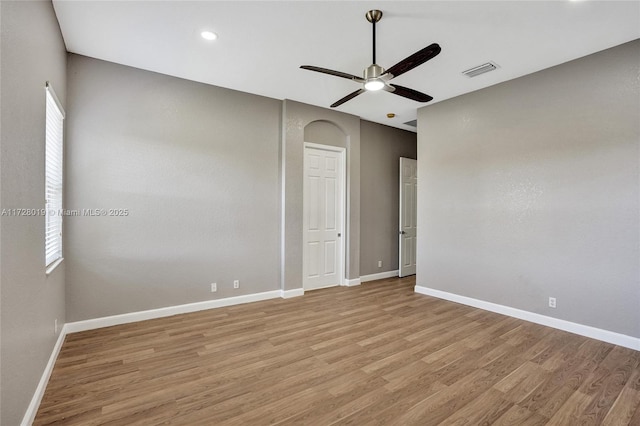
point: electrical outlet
(379, 263)
(55, 326)
(214, 287)
(552, 302)
(236, 283)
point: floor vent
(480, 69)
(412, 123)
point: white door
(408, 216)
(323, 217)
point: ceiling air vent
(412, 123)
(480, 69)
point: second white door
(323, 217)
(408, 216)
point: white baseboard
(91, 324)
(379, 276)
(32, 409)
(572, 327)
(352, 283)
(287, 294)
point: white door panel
(323, 218)
(330, 193)
(408, 216)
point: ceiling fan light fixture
(373, 85)
(208, 35)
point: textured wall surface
(380, 150)
(32, 53)
(197, 168)
(529, 189)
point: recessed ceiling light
(209, 35)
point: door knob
(402, 232)
(339, 234)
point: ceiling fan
(375, 77)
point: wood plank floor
(377, 354)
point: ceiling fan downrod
(374, 16)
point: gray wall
(380, 150)
(529, 189)
(197, 168)
(32, 52)
(207, 176)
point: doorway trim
(296, 116)
(343, 213)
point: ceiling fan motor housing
(373, 71)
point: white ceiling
(262, 44)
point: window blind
(53, 177)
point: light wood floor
(376, 354)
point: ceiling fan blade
(418, 58)
(332, 72)
(347, 98)
(405, 92)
